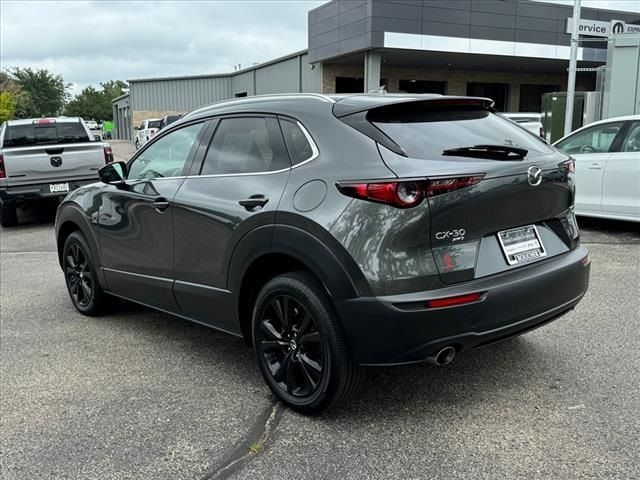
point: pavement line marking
(259, 435)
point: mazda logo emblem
(534, 175)
(56, 161)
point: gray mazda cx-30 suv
(334, 233)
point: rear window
(424, 132)
(154, 123)
(44, 134)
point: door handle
(254, 202)
(595, 166)
(160, 204)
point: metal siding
(180, 95)
(311, 79)
(281, 77)
(242, 83)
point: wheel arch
(271, 251)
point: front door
(236, 190)
(135, 221)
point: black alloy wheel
(291, 346)
(80, 276)
(300, 345)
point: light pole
(573, 61)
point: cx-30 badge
(534, 175)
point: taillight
(454, 301)
(3, 174)
(541, 132)
(108, 154)
(405, 194)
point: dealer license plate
(521, 245)
(58, 187)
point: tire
(80, 276)
(9, 215)
(303, 355)
(137, 144)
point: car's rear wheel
(9, 215)
(300, 346)
(80, 275)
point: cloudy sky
(93, 41)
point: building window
(422, 86)
(349, 84)
(498, 92)
(531, 96)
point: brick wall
(456, 79)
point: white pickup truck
(529, 121)
(46, 158)
(146, 131)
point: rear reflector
(453, 301)
(108, 154)
(585, 260)
(405, 194)
(3, 174)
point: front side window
(597, 139)
(245, 145)
(632, 141)
(167, 156)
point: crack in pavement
(251, 445)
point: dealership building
(512, 51)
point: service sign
(596, 28)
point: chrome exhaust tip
(442, 357)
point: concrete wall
(456, 79)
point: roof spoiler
(361, 103)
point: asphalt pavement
(138, 394)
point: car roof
(29, 121)
(342, 104)
(624, 118)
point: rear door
(621, 183)
(237, 189)
(591, 150)
(136, 221)
(47, 151)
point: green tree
(8, 105)
(96, 104)
(47, 93)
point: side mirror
(113, 173)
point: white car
(529, 121)
(607, 155)
(146, 131)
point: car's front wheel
(80, 275)
(300, 346)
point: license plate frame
(521, 245)
(59, 187)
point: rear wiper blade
(492, 152)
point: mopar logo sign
(617, 27)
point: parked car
(94, 128)
(334, 233)
(531, 121)
(146, 131)
(168, 120)
(607, 155)
(46, 158)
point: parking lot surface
(138, 394)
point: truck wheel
(300, 346)
(9, 215)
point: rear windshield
(154, 123)
(425, 132)
(44, 134)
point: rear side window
(245, 145)
(425, 132)
(597, 139)
(45, 134)
(300, 150)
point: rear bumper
(399, 329)
(40, 191)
